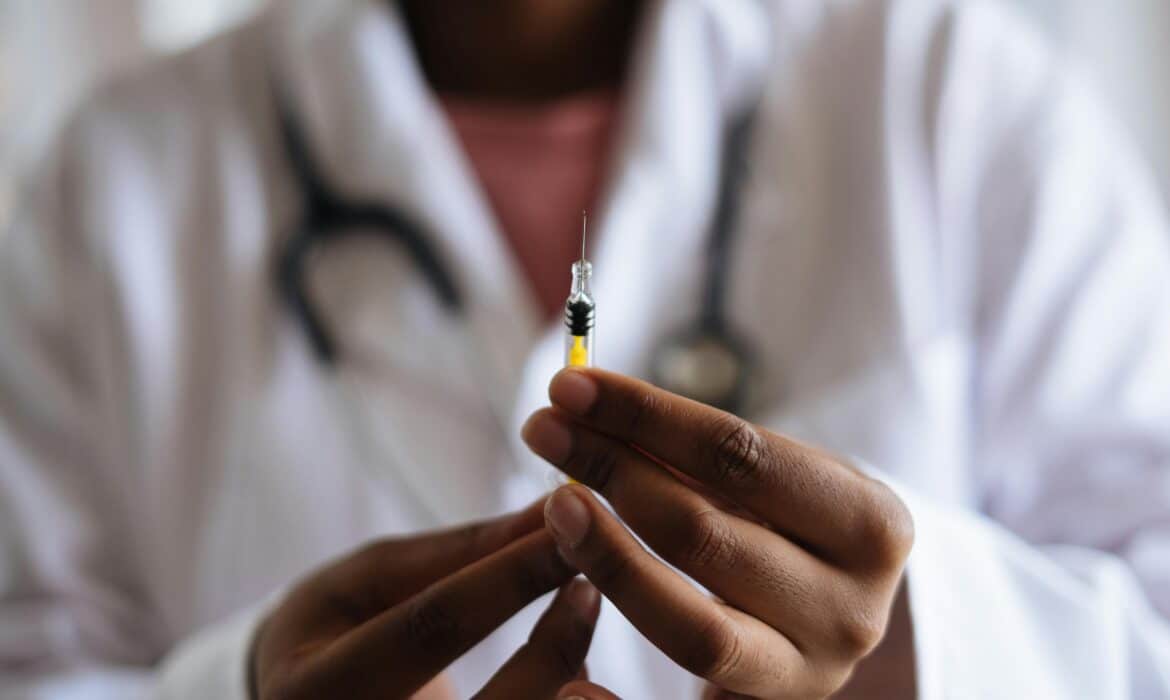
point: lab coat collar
(353, 77)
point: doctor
(952, 268)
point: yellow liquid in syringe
(578, 354)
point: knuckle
(887, 529)
(738, 452)
(568, 653)
(709, 541)
(858, 632)
(431, 626)
(596, 467)
(643, 407)
(716, 654)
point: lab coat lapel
(380, 134)
(697, 64)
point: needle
(584, 229)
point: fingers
(584, 690)
(555, 652)
(805, 493)
(743, 563)
(807, 572)
(439, 624)
(390, 571)
(707, 638)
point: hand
(803, 552)
(386, 620)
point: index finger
(804, 492)
(394, 569)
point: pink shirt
(539, 167)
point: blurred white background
(51, 50)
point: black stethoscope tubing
(327, 215)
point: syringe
(579, 310)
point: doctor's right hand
(386, 621)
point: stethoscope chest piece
(708, 364)
(708, 361)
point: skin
(385, 621)
(804, 556)
(803, 553)
(522, 49)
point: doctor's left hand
(386, 621)
(804, 553)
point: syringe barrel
(579, 349)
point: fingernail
(548, 437)
(574, 391)
(583, 597)
(568, 518)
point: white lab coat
(953, 267)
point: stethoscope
(706, 359)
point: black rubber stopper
(579, 317)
